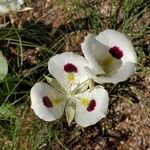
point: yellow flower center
(85, 102)
(57, 101)
(70, 77)
(106, 64)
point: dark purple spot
(91, 106)
(70, 68)
(47, 102)
(116, 52)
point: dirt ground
(127, 124)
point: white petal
(20, 2)
(3, 66)
(7, 6)
(56, 67)
(38, 92)
(125, 71)
(101, 52)
(89, 48)
(3, 10)
(113, 38)
(86, 116)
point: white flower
(111, 56)
(85, 106)
(3, 66)
(7, 6)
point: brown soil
(127, 124)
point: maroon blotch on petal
(91, 105)
(47, 102)
(116, 52)
(70, 68)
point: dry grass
(53, 27)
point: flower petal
(125, 71)
(47, 103)
(91, 106)
(20, 2)
(98, 54)
(7, 6)
(89, 49)
(67, 68)
(3, 66)
(112, 38)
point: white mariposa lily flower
(87, 107)
(68, 69)
(8, 6)
(3, 66)
(111, 56)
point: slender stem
(60, 142)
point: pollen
(70, 77)
(85, 102)
(70, 68)
(116, 52)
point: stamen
(116, 52)
(47, 102)
(70, 68)
(91, 105)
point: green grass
(19, 127)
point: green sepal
(3, 66)
(70, 111)
(53, 82)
